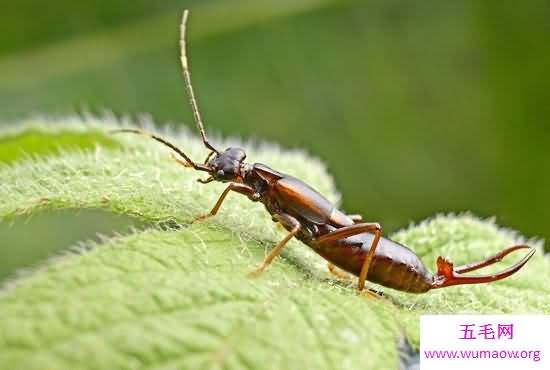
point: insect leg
(371, 294)
(290, 221)
(368, 259)
(347, 231)
(336, 272)
(356, 218)
(178, 160)
(239, 188)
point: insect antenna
(190, 162)
(188, 85)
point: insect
(344, 240)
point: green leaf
(180, 299)
(176, 296)
(33, 138)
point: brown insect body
(281, 192)
(354, 246)
(394, 265)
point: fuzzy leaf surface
(176, 296)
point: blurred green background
(416, 107)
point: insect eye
(220, 173)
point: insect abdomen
(396, 266)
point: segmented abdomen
(394, 265)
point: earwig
(344, 240)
